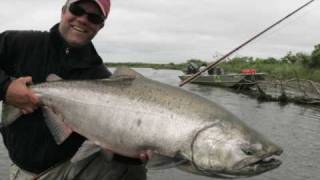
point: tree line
(292, 65)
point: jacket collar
(84, 57)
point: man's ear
(63, 11)
(64, 8)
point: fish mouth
(246, 168)
(273, 161)
(255, 168)
(257, 165)
(263, 165)
(251, 166)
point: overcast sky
(162, 31)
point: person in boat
(192, 68)
(66, 50)
(203, 67)
(219, 71)
(216, 71)
(211, 71)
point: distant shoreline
(283, 87)
(291, 66)
(149, 65)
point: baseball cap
(104, 5)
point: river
(295, 128)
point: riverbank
(283, 82)
(276, 69)
(296, 91)
(292, 78)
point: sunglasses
(77, 10)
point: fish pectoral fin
(86, 150)
(59, 130)
(158, 162)
(9, 114)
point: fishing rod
(242, 45)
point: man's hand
(146, 155)
(20, 96)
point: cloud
(174, 31)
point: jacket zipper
(67, 51)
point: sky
(164, 31)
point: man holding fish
(28, 57)
(125, 114)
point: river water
(295, 128)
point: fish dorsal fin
(125, 72)
(53, 77)
(158, 162)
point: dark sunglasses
(77, 10)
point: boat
(233, 80)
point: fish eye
(248, 150)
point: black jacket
(38, 54)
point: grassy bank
(274, 70)
(149, 65)
(298, 66)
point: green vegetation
(299, 65)
(276, 69)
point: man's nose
(83, 19)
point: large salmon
(129, 113)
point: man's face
(78, 30)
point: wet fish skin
(129, 114)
